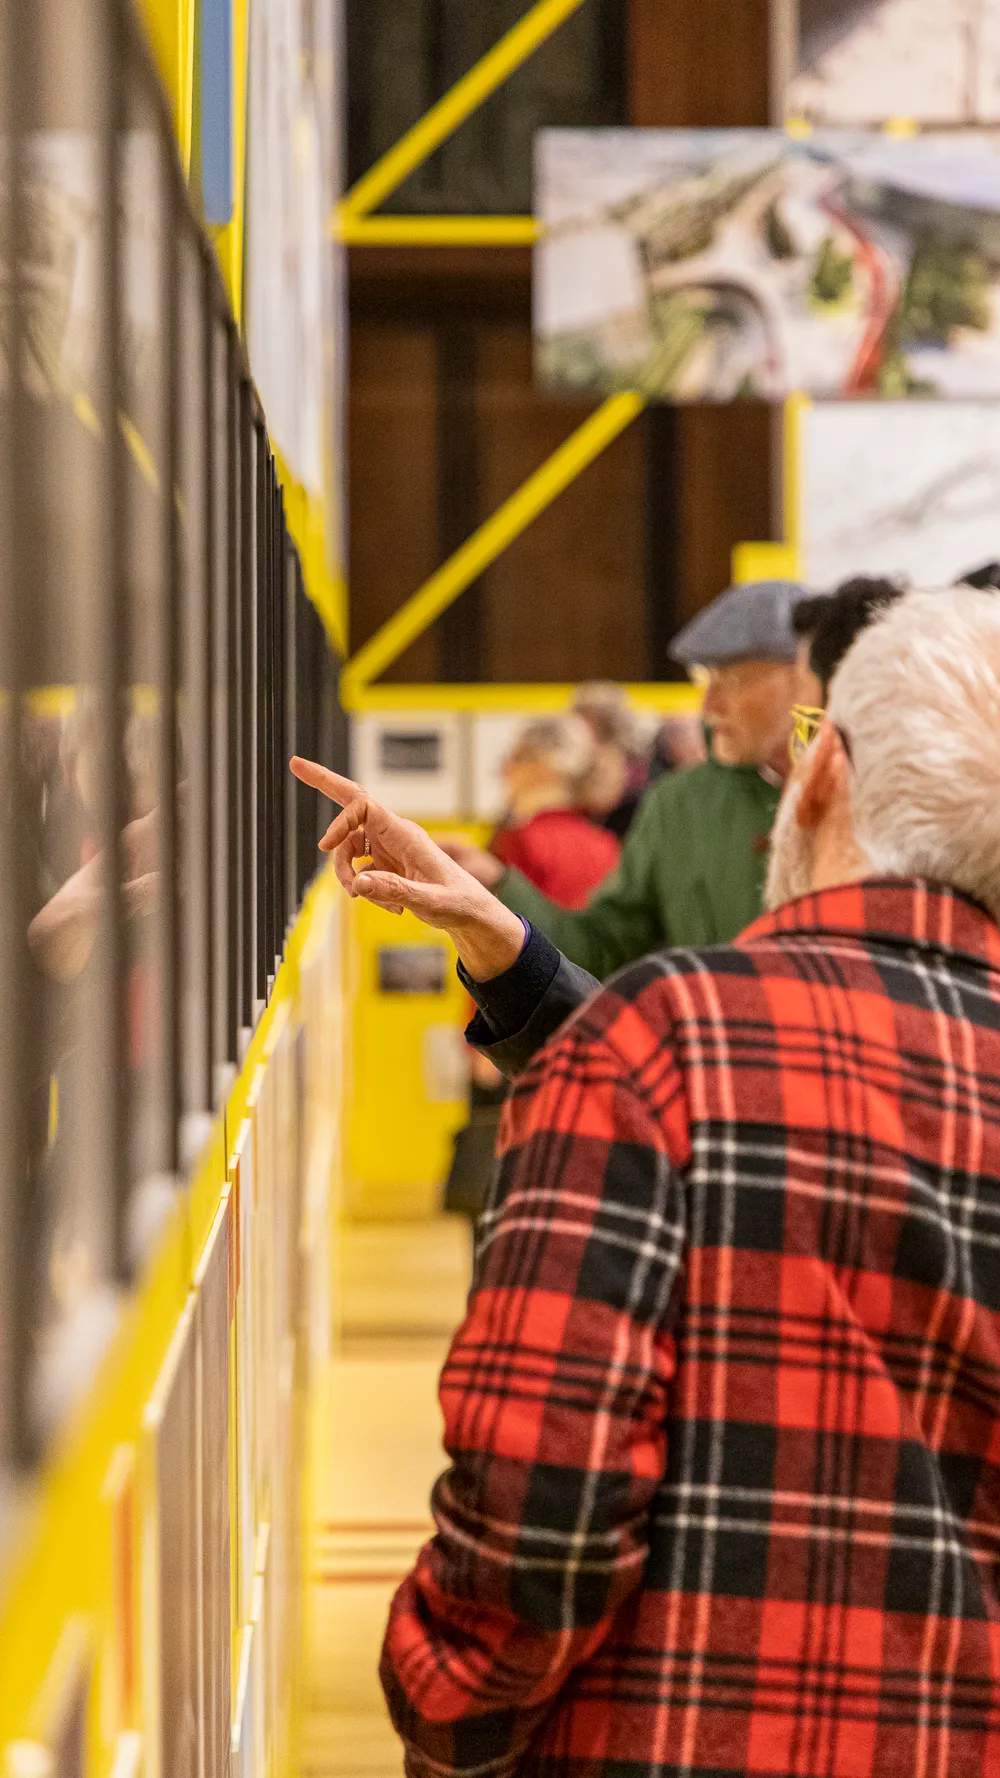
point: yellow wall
(170, 25)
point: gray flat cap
(752, 622)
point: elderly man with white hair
(724, 1413)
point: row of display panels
(178, 1651)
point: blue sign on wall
(217, 109)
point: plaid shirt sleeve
(554, 1397)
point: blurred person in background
(62, 934)
(555, 846)
(620, 771)
(694, 863)
(545, 835)
(679, 744)
(523, 987)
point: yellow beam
(764, 561)
(489, 542)
(458, 104)
(482, 700)
(434, 231)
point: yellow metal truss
(465, 97)
(353, 223)
(437, 231)
(486, 544)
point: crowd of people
(722, 1417)
(573, 784)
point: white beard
(789, 873)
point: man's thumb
(386, 889)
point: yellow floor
(403, 1291)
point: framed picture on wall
(908, 490)
(936, 62)
(720, 265)
(244, 1225)
(213, 1286)
(171, 1426)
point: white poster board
(908, 490)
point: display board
(907, 490)
(294, 290)
(866, 61)
(244, 1224)
(710, 265)
(414, 764)
(214, 1284)
(171, 1423)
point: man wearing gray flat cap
(694, 864)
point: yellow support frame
(465, 97)
(489, 542)
(353, 224)
(664, 697)
(437, 231)
(780, 561)
(170, 26)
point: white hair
(605, 707)
(563, 743)
(918, 699)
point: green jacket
(692, 872)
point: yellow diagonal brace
(436, 231)
(463, 99)
(489, 542)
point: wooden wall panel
(393, 480)
(645, 537)
(725, 494)
(567, 600)
(701, 64)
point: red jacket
(561, 852)
(724, 1415)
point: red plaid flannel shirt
(723, 1415)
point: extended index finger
(339, 790)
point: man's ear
(824, 777)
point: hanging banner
(713, 265)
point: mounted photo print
(866, 61)
(716, 265)
(910, 490)
(171, 1425)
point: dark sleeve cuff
(507, 1002)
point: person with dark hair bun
(830, 622)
